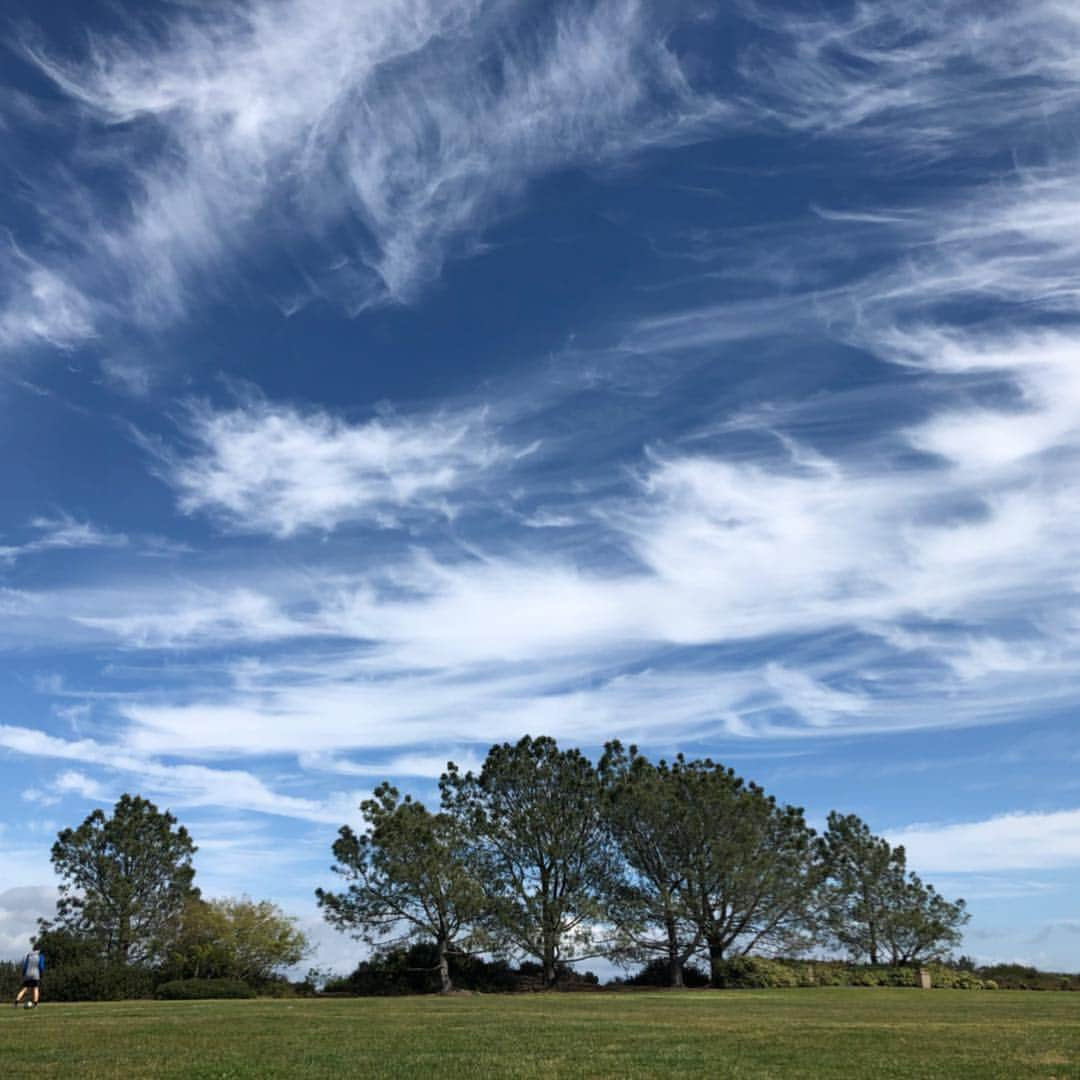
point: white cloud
(427, 765)
(913, 73)
(38, 307)
(1021, 841)
(62, 532)
(274, 469)
(20, 909)
(378, 139)
(193, 617)
(77, 783)
(184, 785)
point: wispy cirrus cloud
(61, 532)
(377, 140)
(276, 469)
(184, 785)
(920, 75)
(39, 306)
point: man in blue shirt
(33, 967)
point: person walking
(33, 967)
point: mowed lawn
(790, 1033)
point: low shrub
(415, 971)
(1022, 977)
(755, 973)
(10, 978)
(92, 980)
(655, 973)
(203, 990)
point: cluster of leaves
(543, 855)
(231, 938)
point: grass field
(788, 1033)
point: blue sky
(380, 380)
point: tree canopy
(874, 908)
(408, 877)
(125, 879)
(540, 854)
(540, 844)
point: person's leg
(19, 995)
(35, 992)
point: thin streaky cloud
(384, 123)
(59, 533)
(924, 76)
(187, 785)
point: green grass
(775, 1033)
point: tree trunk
(549, 961)
(445, 982)
(716, 965)
(675, 972)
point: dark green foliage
(874, 908)
(203, 990)
(541, 845)
(1022, 977)
(10, 978)
(415, 971)
(658, 973)
(125, 880)
(77, 970)
(408, 876)
(93, 980)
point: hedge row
(752, 972)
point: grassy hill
(777, 1033)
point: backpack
(32, 965)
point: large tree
(408, 878)
(234, 938)
(534, 814)
(651, 824)
(753, 875)
(862, 871)
(125, 879)
(875, 909)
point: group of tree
(545, 855)
(130, 917)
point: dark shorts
(31, 982)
